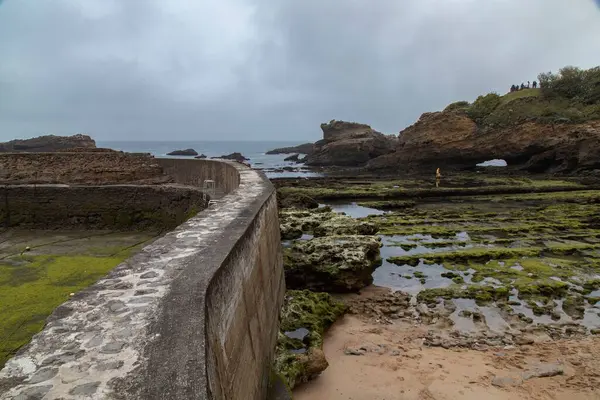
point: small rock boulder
(201, 156)
(186, 152)
(544, 371)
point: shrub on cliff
(458, 106)
(483, 106)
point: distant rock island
(305, 148)
(186, 152)
(48, 143)
(234, 156)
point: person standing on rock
(438, 177)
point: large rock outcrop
(48, 143)
(453, 140)
(349, 144)
(332, 263)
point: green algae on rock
(305, 316)
(332, 263)
(481, 294)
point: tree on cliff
(572, 83)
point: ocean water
(255, 151)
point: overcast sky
(269, 69)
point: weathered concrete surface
(99, 207)
(194, 315)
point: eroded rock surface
(453, 140)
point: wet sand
(396, 365)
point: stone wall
(194, 315)
(96, 168)
(98, 207)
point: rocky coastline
(485, 263)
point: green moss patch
(481, 294)
(31, 287)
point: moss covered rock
(305, 316)
(296, 200)
(344, 225)
(332, 263)
(322, 222)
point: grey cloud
(269, 69)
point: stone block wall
(98, 207)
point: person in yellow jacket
(438, 177)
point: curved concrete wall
(192, 316)
(194, 172)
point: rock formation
(306, 148)
(201, 156)
(234, 156)
(453, 140)
(186, 152)
(48, 143)
(349, 144)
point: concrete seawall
(194, 172)
(194, 315)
